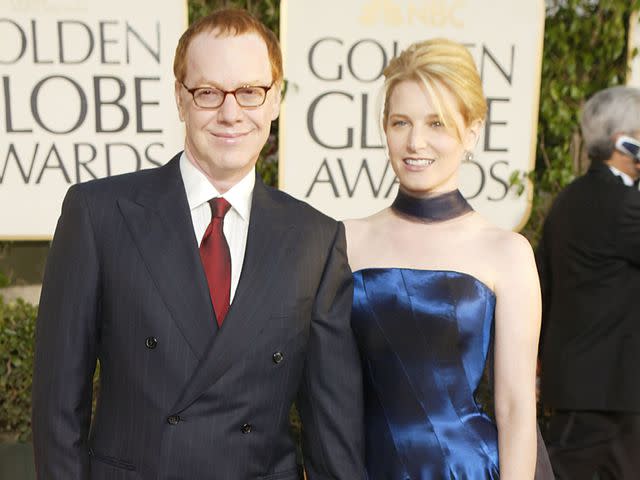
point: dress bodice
(424, 337)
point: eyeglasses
(209, 98)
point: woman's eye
(398, 123)
(436, 123)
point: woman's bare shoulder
(512, 246)
(357, 228)
(359, 233)
(504, 243)
(509, 253)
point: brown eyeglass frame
(193, 91)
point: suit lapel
(159, 220)
(246, 319)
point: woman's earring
(468, 156)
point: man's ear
(277, 100)
(177, 91)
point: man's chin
(229, 168)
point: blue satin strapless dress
(424, 338)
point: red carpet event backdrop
(331, 151)
(87, 92)
(86, 89)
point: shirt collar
(200, 190)
(628, 181)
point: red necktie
(216, 259)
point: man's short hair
(229, 22)
(610, 111)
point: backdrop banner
(633, 79)
(331, 147)
(86, 91)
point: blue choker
(432, 209)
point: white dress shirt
(628, 181)
(236, 222)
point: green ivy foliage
(585, 50)
(5, 281)
(17, 328)
(17, 342)
(268, 11)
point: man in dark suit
(210, 300)
(589, 263)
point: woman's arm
(517, 328)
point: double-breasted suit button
(277, 357)
(246, 428)
(173, 419)
(151, 342)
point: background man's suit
(180, 398)
(589, 263)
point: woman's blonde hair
(440, 63)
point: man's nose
(229, 111)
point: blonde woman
(435, 285)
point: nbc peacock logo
(395, 13)
(385, 11)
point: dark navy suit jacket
(589, 263)
(180, 398)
